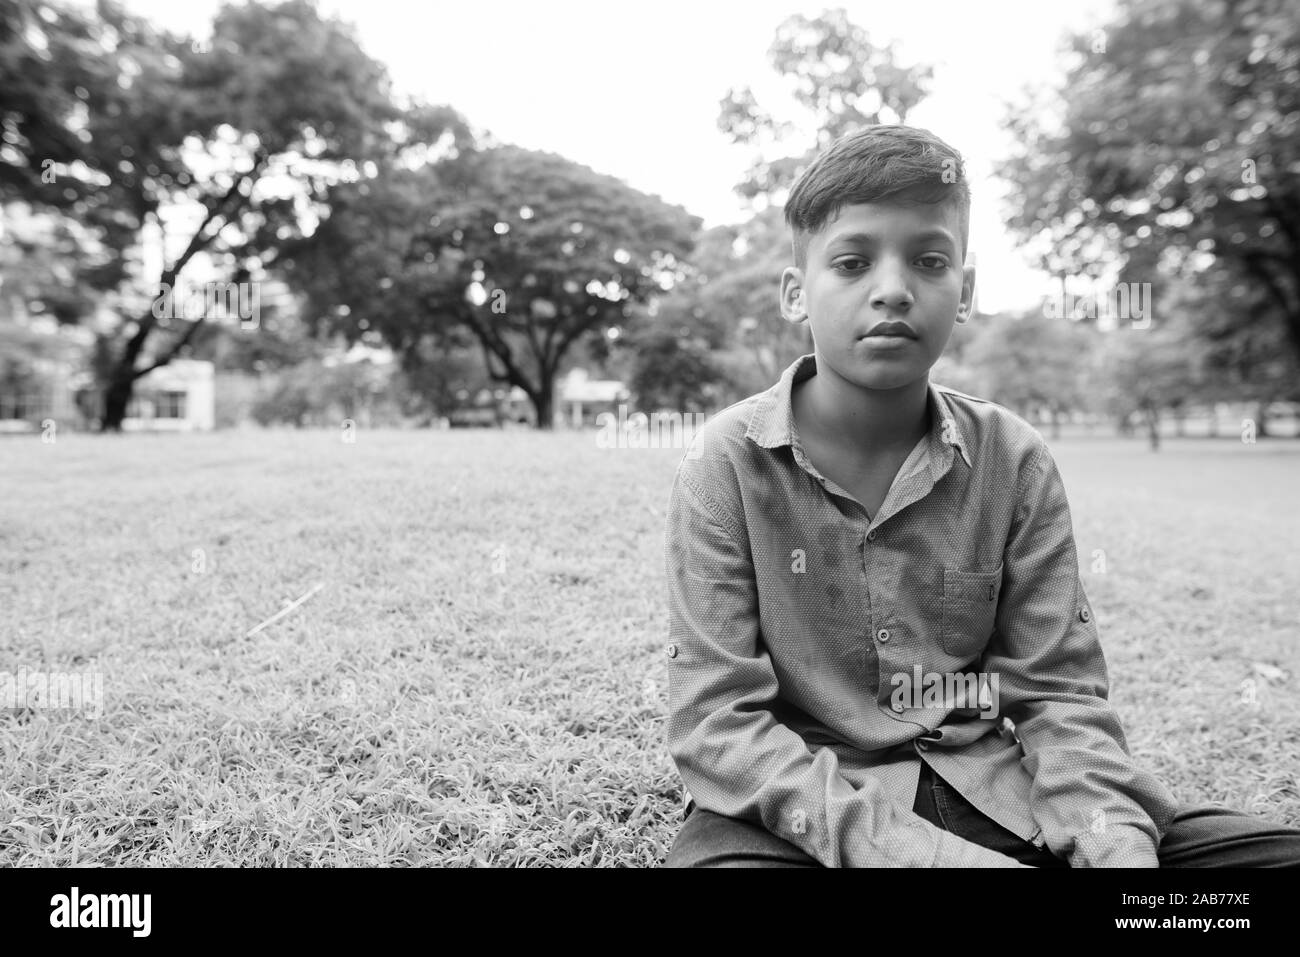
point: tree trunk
(1153, 427)
(1261, 419)
(544, 404)
(117, 397)
(121, 383)
(1056, 426)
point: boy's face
(878, 263)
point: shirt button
(871, 535)
(922, 746)
(897, 706)
(1085, 614)
(883, 634)
(672, 651)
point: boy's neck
(864, 419)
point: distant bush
(236, 393)
(316, 394)
(23, 390)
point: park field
(476, 672)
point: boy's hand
(959, 852)
(1093, 804)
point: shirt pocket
(970, 606)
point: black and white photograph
(663, 436)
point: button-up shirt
(803, 633)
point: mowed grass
(481, 677)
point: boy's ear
(966, 306)
(793, 305)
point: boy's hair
(897, 164)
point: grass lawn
(481, 677)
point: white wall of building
(193, 378)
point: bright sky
(633, 90)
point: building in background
(579, 399)
(44, 378)
(179, 397)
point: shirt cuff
(1120, 845)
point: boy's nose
(891, 291)
(892, 295)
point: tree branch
(489, 338)
(198, 242)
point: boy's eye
(850, 264)
(933, 262)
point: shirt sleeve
(1096, 808)
(734, 757)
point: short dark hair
(885, 163)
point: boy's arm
(1095, 807)
(735, 758)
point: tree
(1234, 360)
(39, 253)
(729, 297)
(528, 251)
(1030, 364)
(675, 373)
(1150, 371)
(1177, 153)
(323, 392)
(128, 129)
(728, 301)
(280, 340)
(840, 78)
(446, 374)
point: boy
(868, 572)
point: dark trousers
(1202, 835)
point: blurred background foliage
(411, 265)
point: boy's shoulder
(993, 433)
(721, 451)
(725, 430)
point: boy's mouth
(891, 328)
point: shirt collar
(772, 423)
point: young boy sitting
(868, 572)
